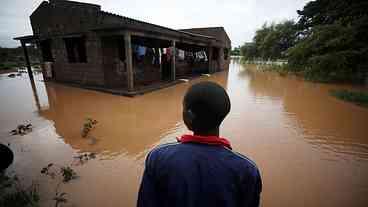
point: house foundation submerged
(84, 45)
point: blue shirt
(192, 174)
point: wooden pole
(35, 94)
(173, 65)
(129, 61)
(220, 59)
(210, 66)
(160, 55)
(28, 63)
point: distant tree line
(14, 57)
(235, 51)
(329, 42)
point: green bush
(359, 98)
(9, 65)
(13, 194)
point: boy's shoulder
(162, 147)
(169, 148)
(243, 158)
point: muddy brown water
(311, 148)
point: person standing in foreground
(200, 169)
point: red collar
(211, 140)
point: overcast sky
(240, 18)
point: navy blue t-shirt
(192, 174)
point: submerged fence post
(28, 63)
(128, 59)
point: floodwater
(311, 148)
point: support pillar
(129, 61)
(28, 63)
(173, 61)
(221, 58)
(210, 65)
(161, 52)
(35, 94)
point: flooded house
(88, 47)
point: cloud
(240, 18)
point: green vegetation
(235, 51)
(328, 43)
(14, 57)
(13, 194)
(271, 41)
(359, 98)
(88, 125)
(282, 70)
(66, 173)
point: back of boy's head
(6, 156)
(206, 104)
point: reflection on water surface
(312, 149)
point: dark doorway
(46, 51)
(113, 61)
(76, 49)
(166, 66)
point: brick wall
(90, 73)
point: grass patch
(12, 193)
(9, 65)
(359, 98)
(282, 70)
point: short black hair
(7, 157)
(209, 103)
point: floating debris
(22, 71)
(66, 172)
(92, 140)
(88, 126)
(47, 171)
(60, 198)
(22, 129)
(184, 80)
(83, 158)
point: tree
(249, 51)
(324, 12)
(333, 44)
(235, 51)
(271, 41)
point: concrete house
(87, 46)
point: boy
(201, 169)
(6, 157)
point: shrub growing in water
(359, 98)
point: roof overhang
(27, 38)
(170, 34)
